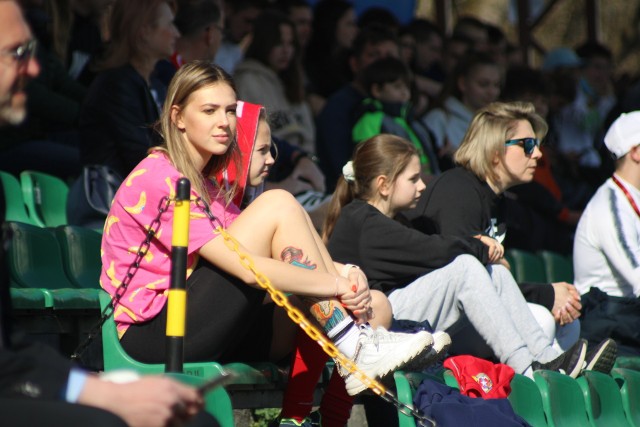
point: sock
(306, 366)
(336, 404)
(528, 372)
(345, 336)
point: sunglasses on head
(528, 144)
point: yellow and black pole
(177, 298)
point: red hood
(248, 116)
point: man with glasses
(37, 385)
(606, 251)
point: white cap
(624, 134)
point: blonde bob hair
(490, 128)
(190, 78)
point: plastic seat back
(628, 362)
(562, 399)
(408, 382)
(628, 381)
(529, 267)
(602, 399)
(34, 258)
(526, 400)
(80, 254)
(558, 268)
(115, 357)
(15, 209)
(46, 198)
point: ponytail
(382, 154)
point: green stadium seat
(629, 382)
(526, 400)
(528, 267)
(15, 209)
(602, 399)
(558, 268)
(562, 399)
(45, 197)
(30, 299)
(628, 362)
(406, 385)
(262, 376)
(35, 262)
(80, 255)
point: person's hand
(358, 299)
(306, 170)
(566, 303)
(152, 401)
(496, 250)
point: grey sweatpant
(491, 300)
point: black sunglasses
(23, 53)
(528, 144)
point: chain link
(163, 205)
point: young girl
(432, 277)
(254, 142)
(227, 320)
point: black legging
(226, 321)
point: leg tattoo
(295, 256)
(326, 312)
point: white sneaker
(437, 352)
(380, 352)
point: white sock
(347, 340)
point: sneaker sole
(604, 359)
(421, 347)
(442, 342)
(577, 368)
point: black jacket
(458, 203)
(391, 254)
(116, 119)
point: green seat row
(38, 198)
(53, 268)
(556, 400)
(542, 267)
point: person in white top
(606, 252)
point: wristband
(346, 268)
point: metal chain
(163, 205)
(294, 314)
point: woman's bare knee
(381, 310)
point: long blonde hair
(490, 128)
(382, 154)
(190, 78)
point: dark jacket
(458, 203)
(116, 119)
(391, 254)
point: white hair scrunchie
(348, 173)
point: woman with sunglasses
(500, 150)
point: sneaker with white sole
(602, 357)
(571, 362)
(380, 352)
(437, 352)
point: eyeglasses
(23, 53)
(528, 144)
